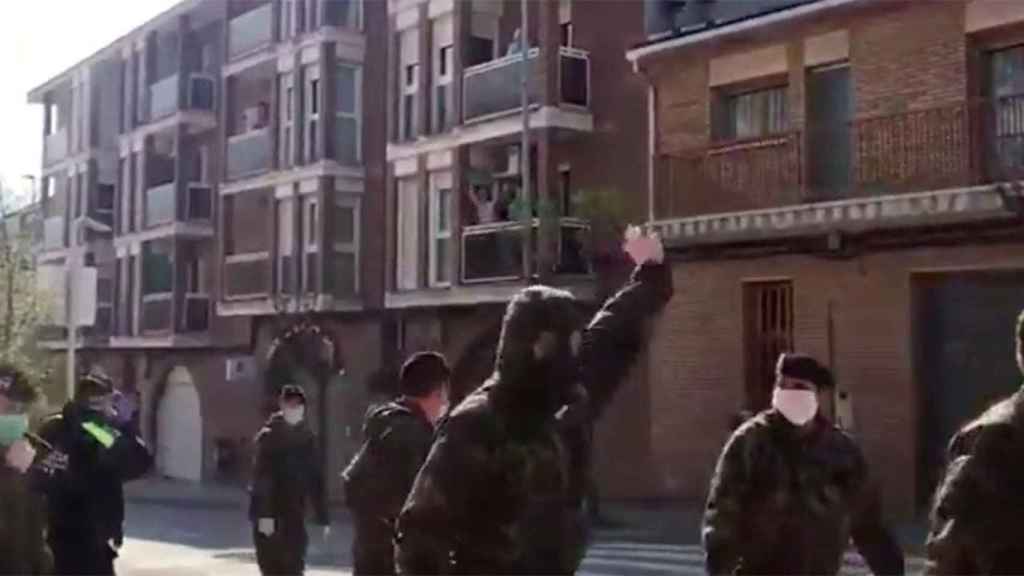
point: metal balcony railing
(249, 153)
(493, 87)
(156, 312)
(163, 96)
(250, 31)
(574, 76)
(247, 275)
(56, 146)
(494, 252)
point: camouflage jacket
(287, 474)
(499, 492)
(976, 515)
(786, 502)
(23, 548)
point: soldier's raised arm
(723, 515)
(614, 336)
(442, 502)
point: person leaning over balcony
(790, 489)
(976, 515)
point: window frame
(286, 120)
(440, 184)
(312, 85)
(356, 115)
(724, 119)
(353, 247)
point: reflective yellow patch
(102, 434)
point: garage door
(964, 327)
(180, 428)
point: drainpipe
(652, 142)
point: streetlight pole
(524, 154)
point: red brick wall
(698, 349)
(903, 55)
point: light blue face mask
(12, 428)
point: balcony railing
(494, 87)
(159, 207)
(156, 312)
(931, 149)
(250, 31)
(163, 96)
(494, 252)
(249, 153)
(247, 275)
(53, 233)
(574, 76)
(56, 146)
(197, 313)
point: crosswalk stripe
(648, 555)
(626, 563)
(630, 546)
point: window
(751, 114)
(566, 192)
(285, 245)
(343, 13)
(408, 230)
(312, 150)
(768, 319)
(409, 89)
(566, 29)
(313, 14)
(285, 21)
(1006, 89)
(344, 264)
(287, 120)
(347, 118)
(440, 231)
(443, 88)
(157, 267)
(310, 244)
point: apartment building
(222, 167)
(835, 176)
(455, 168)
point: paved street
(208, 541)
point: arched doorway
(179, 428)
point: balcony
(893, 169)
(249, 153)
(197, 313)
(53, 233)
(247, 275)
(156, 312)
(159, 206)
(494, 252)
(493, 88)
(163, 96)
(574, 77)
(199, 203)
(56, 146)
(250, 31)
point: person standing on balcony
(397, 436)
(790, 489)
(976, 515)
(23, 549)
(502, 489)
(486, 204)
(95, 451)
(286, 476)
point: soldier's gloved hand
(265, 526)
(20, 455)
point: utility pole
(524, 153)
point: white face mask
(294, 415)
(798, 406)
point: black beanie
(804, 367)
(423, 373)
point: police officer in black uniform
(95, 451)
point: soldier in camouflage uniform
(501, 491)
(397, 437)
(790, 489)
(975, 520)
(23, 548)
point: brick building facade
(830, 177)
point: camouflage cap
(95, 383)
(15, 385)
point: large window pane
(346, 89)
(347, 139)
(344, 224)
(752, 114)
(157, 268)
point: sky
(42, 38)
